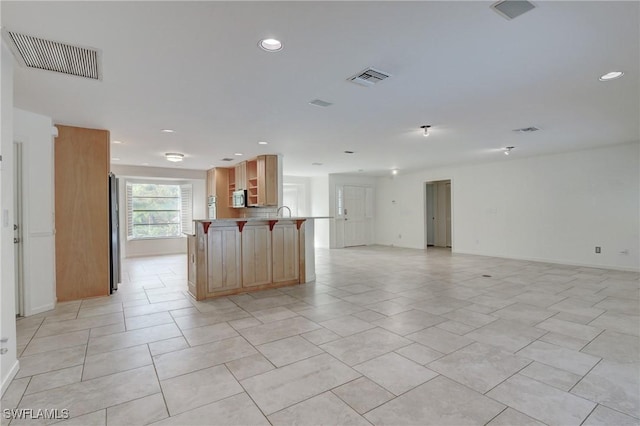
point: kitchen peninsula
(239, 255)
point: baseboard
(553, 261)
(12, 373)
(40, 309)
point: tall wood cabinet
(82, 163)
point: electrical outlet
(598, 249)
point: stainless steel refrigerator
(114, 232)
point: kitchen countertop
(261, 219)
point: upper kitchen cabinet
(241, 176)
(262, 181)
(267, 180)
(211, 182)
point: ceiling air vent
(510, 9)
(369, 77)
(227, 159)
(320, 103)
(527, 130)
(49, 55)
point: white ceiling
(474, 76)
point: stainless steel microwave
(239, 199)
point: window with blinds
(158, 210)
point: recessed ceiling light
(263, 143)
(174, 156)
(168, 131)
(115, 159)
(394, 172)
(611, 75)
(117, 142)
(270, 45)
(349, 152)
(316, 164)
(238, 154)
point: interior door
(356, 224)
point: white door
(356, 223)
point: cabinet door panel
(256, 256)
(285, 253)
(224, 258)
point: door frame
(451, 208)
(18, 219)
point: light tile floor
(384, 336)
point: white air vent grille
(369, 77)
(510, 9)
(320, 103)
(527, 129)
(54, 56)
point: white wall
(337, 223)
(303, 185)
(8, 362)
(163, 175)
(34, 132)
(319, 204)
(554, 208)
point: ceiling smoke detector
(510, 9)
(369, 77)
(49, 55)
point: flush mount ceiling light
(394, 172)
(263, 143)
(425, 130)
(239, 154)
(270, 45)
(168, 131)
(115, 159)
(116, 142)
(508, 149)
(174, 156)
(611, 75)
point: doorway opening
(438, 214)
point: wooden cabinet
(252, 183)
(223, 259)
(256, 255)
(81, 158)
(211, 182)
(262, 181)
(241, 175)
(267, 166)
(285, 251)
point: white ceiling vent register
(511, 9)
(369, 77)
(39, 53)
(320, 103)
(527, 129)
